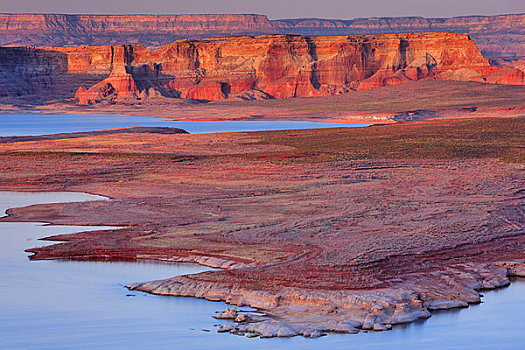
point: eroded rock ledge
(312, 313)
(207, 261)
(494, 34)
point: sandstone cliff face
(150, 30)
(287, 66)
(24, 71)
(494, 35)
(279, 66)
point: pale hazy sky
(273, 8)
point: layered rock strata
(495, 35)
(289, 66)
(278, 66)
(312, 313)
(150, 30)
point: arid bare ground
(332, 230)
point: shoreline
(414, 101)
(351, 313)
(322, 239)
(374, 118)
(347, 312)
(357, 311)
(300, 117)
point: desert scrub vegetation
(501, 138)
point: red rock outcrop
(494, 35)
(279, 66)
(507, 76)
(284, 66)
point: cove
(28, 124)
(65, 304)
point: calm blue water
(83, 305)
(25, 124)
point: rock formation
(25, 71)
(312, 313)
(494, 35)
(283, 66)
(246, 67)
(150, 30)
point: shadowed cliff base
(335, 230)
(33, 75)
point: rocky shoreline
(323, 230)
(313, 313)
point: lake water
(26, 124)
(84, 305)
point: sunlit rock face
(278, 66)
(495, 35)
(285, 66)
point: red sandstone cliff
(26, 71)
(279, 66)
(494, 35)
(149, 30)
(285, 66)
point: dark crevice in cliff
(128, 54)
(312, 51)
(112, 59)
(403, 46)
